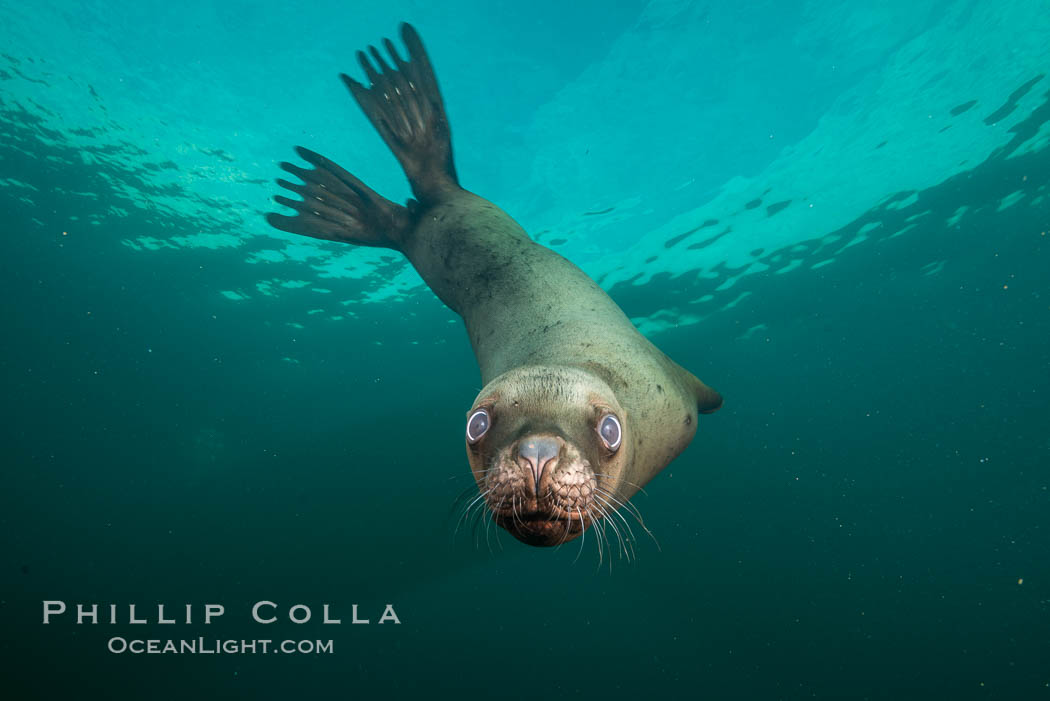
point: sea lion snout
(541, 489)
(538, 454)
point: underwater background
(835, 213)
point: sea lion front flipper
(708, 401)
(336, 206)
(404, 105)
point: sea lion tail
(404, 105)
(336, 206)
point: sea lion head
(548, 447)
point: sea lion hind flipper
(404, 105)
(336, 206)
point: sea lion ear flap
(708, 401)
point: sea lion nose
(535, 453)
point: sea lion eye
(609, 431)
(477, 425)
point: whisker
(626, 503)
(458, 475)
(488, 527)
(499, 507)
(598, 528)
(469, 507)
(472, 516)
(564, 535)
(622, 480)
(462, 497)
(633, 510)
(474, 529)
(597, 538)
(457, 508)
(479, 516)
(619, 536)
(463, 494)
(631, 539)
(617, 513)
(605, 533)
(583, 533)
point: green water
(201, 410)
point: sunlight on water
(730, 184)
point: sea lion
(578, 409)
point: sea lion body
(525, 305)
(578, 409)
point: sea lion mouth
(543, 529)
(545, 506)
